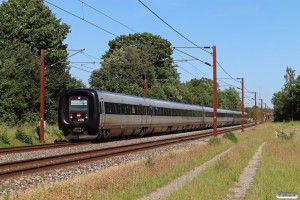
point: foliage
(132, 59)
(18, 80)
(287, 101)
(135, 57)
(26, 27)
(23, 136)
(229, 99)
(285, 135)
(149, 161)
(214, 141)
(28, 134)
(250, 111)
(122, 72)
(202, 90)
(154, 47)
(4, 138)
(231, 136)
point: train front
(78, 114)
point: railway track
(39, 147)
(30, 166)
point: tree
(203, 91)
(29, 25)
(123, 72)
(155, 47)
(133, 58)
(286, 102)
(18, 94)
(229, 99)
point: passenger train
(86, 114)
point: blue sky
(255, 39)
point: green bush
(214, 141)
(23, 136)
(285, 135)
(4, 138)
(230, 136)
(149, 161)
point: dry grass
(128, 181)
(215, 182)
(280, 169)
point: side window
(108, 108)
(133, 109)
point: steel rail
(10, 150)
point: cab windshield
(78, 103)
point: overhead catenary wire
(191, 64)
(187, 71)
(229, 84)
(102, 13)
(193, 57)
(173, 28)
(91, 23)
(80, 69)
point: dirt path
(165, 191)
(246, 177)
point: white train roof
(135, 100)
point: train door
(141, 110)
(102, 114)
(150, 113)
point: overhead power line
(95, 25)
(191, 63)
(193, 57)
(229, 84)
(102, 13)
(172, 27)
(80, 69)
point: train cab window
(78, 103)
(78, 110)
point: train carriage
(86, 114)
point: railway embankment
(137, 179)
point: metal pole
(215, 89)
(265, 119)
(193, 99)
(42, 93)
(145, 88)
(255, 116)
(261, 111)
(243, 122)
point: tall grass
(215, 182)
(280, 169)
(27, 135)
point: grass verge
(27, 135)
(280, 168)
(215, 182)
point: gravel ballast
(23, 183)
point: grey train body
(86, 114)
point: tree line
(26, 26)
(29, 25)
(133, 58)
(287, 101)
